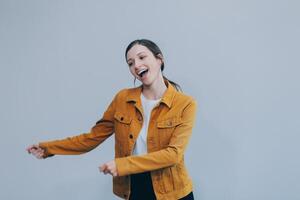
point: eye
(129, 64)
(142, 57)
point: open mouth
(143, 72)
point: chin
(146, 83)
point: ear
(161, 58)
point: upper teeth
(139, 73)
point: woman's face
(143, 64)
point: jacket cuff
(123, 166)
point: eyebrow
(137, 54)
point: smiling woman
(146, 47)
(151, 124)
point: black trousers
(142, 189)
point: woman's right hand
(36, 150)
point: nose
(138, 64)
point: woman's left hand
(109, 167)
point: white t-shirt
(141, 142)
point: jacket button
(130, 136)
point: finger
(111, 173)
(33, 148)
(108, 171)
(111, 168)
(101, 168)
(114, 174)
(36, 155)
(40, 154)
(33, 151)
(36, 150)
(40, 150)
(104, 167)
(30, 148)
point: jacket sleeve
(166, 157)
(84, 142)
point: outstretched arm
(81, 143)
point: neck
(156, 90)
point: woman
(152, 125)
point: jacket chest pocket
(166, 128)
(122, 124)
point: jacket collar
(167, 98)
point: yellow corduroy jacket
(170, 128)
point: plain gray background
(63, 61)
